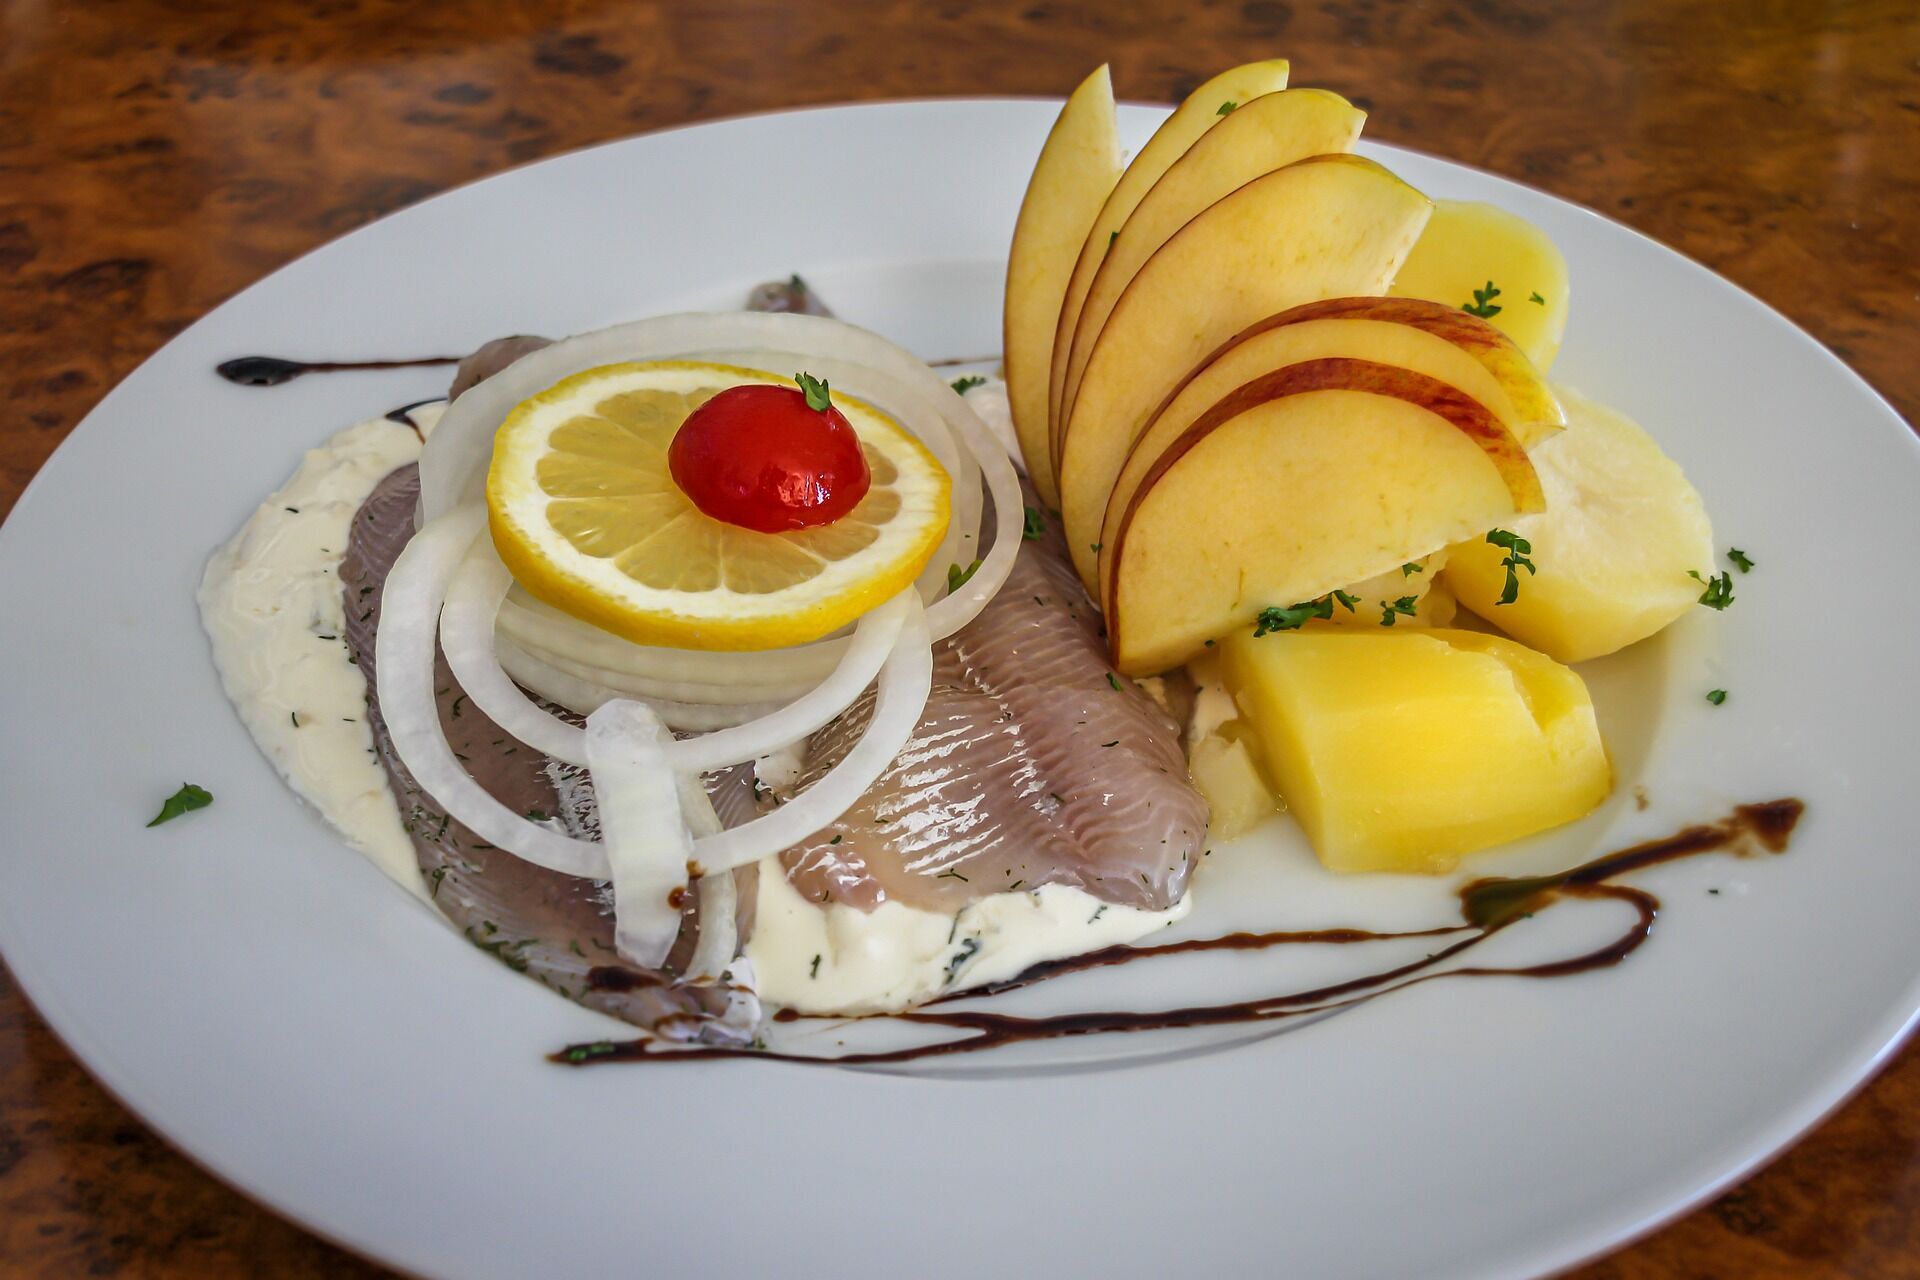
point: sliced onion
(648, 845)
(905, 681)
(537, 626)
(584, 697)
(404, 667)
(647, 688)
(719, 899)
(466, 637)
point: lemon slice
(587, 517)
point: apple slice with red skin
(1308, 478)
(1440, 341)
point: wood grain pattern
(157, 156)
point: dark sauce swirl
(1487, 906)
(274, 371)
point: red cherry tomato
(758, 457)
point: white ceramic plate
(272, 1005)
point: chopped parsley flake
(599, 1048)
(1412, 567)
(1517, 549)
(1483, 304)
(963, 385)
(1389, 612)
(1719, 592)
(1036, 527)
(185, 800)
(958, 577)
(1226, 108)
(1717, 697)
(1113, 680)
(1273, 618)
(1534, 298)
(816, 390)
(1741, 560)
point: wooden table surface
(156, 157)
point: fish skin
(1008, 781)
(557, 929)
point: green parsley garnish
(1388, 612)
(1036, 527)
(1410, 568)
(1719, 592)
(1226, 108)
(1741, 560)
(1517, 549)
(581, 1052)
(816, 391)
(1274, 618)
(795, 283)
(815, 971)
(1113, 680)
(1111, 237)
(1717, 697)
(1533, 297)
(963, 385)
(1095, 547)
(1483, 304)
(958, 577)
(185, 800)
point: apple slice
(1310, 477)
(1467, 247)
(1325, 227)
(1441, 342)
(1192, 118)
(1071, 181)
(1256, 138)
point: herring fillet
(555, 928)
(1032, 764)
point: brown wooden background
(156, 157)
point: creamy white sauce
(839, 959)
(271, 603)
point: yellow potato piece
(1612, 550)
(1466, 245)
(1238, 798)
(1403, 750)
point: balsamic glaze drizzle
(273, 371)
(1487, 906)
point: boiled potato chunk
(1403, 750)
(1238, 797)
(1468, 245)
(1071, 181)
(1612, 550)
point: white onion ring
(584, 697)
(467, 638)
(905, 682)
(647, 841)
(719, 899)
(647, 688)
(403, 650)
